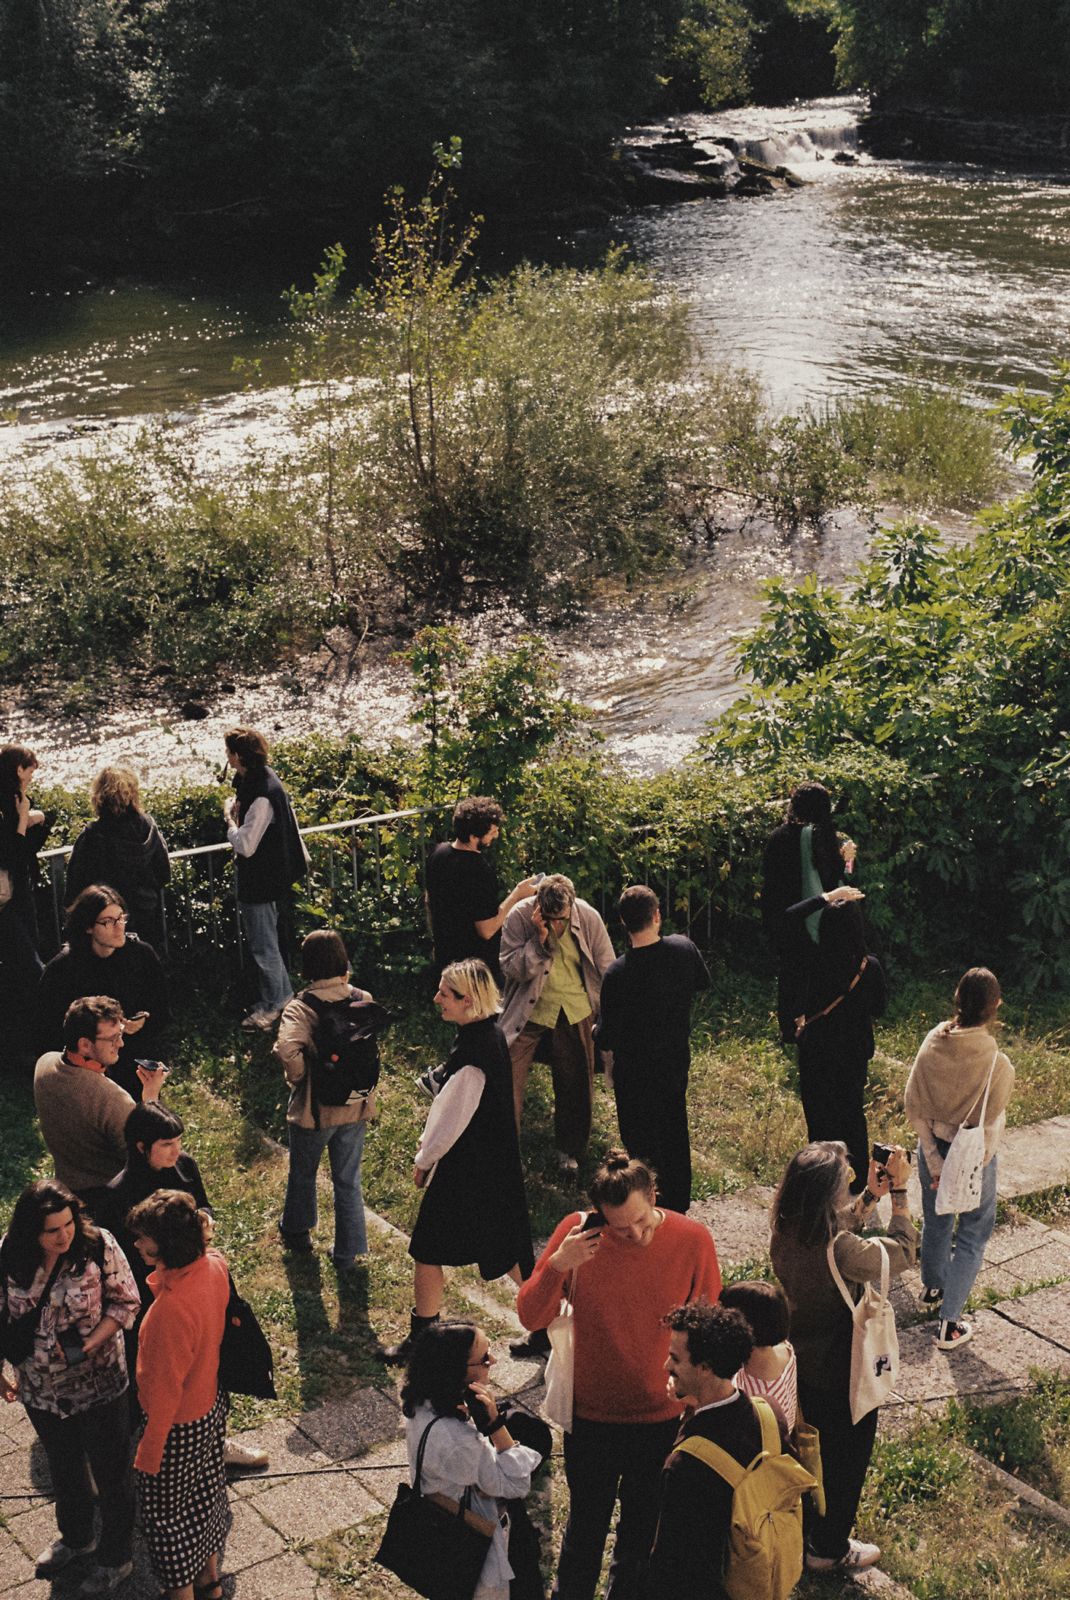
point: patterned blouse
(81, 1299)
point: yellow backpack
(765, 1540)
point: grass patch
(1028, 1436)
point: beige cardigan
(293, 1050)
(947, 1084)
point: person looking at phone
(102, 956)
(74, 1286)
(555, 952)
(82, 1112)
(623, 1278)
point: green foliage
(975, 54)
(519, 440)
(913, 1470)
(713, 53)
(1026, 1435)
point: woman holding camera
(468, 1160)
(450, 1409)
(67, 1293)
(813, 1207)
(182, 1486)
(958, 1062)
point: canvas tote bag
(874, 1342)
(560, 1368)
(963, 1169)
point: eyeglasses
(111, 1038)
(112, 922)
(482, 1361)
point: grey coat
(526, 962)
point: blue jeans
(260, 926)
(947, 1266)
(345, 1146)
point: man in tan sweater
(81, 1111)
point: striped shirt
(783, 1391)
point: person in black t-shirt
(462, 888)
(645, 1021)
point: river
(873, 271)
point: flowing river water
(874, 272)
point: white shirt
(452, 1111)
(245, 840)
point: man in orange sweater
(626, 1273)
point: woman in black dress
(468, 1159)
(845, 990)
(22, 834)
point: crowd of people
(112, 1299)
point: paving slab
(1003, 1280)
(1034, 1158)
(14, 1562)
(1013, 1239)
(1045, 1312)
(306, 1509)
(251, 1539)
(1048, 1260)
(345, 1428)
(1000, 1355)
(283, 1578)
(289, 1450)
(382, 1469)
(34, 1527)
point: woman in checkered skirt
(179, 1463)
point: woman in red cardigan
(181, 1481)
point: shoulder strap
(770, 1431)
(420, 1452)
(988, 1085)
(711, 1455)
(804, 1022)
(837, 1277)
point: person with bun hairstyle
(945, 1091)
(181, 1480)
(803, 857)
(474, 1210)
(812, 1208)
(623, 1277)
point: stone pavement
(338, 1466)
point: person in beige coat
(945, 1090)
(311, 1129)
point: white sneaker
(102, 1580)
(954, 1334)
(243, 1455)
(60, 1555)
(858, 1557)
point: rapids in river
(874, 272)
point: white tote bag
(560, 1368)
(874, 1341)
(964, 1164)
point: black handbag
(435, 1551)
(17, 1334)
(245, 1361)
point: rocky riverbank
(1023, 143)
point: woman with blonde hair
(468, 1159)
(960, 1076)
(123, 847)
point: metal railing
(380, 856)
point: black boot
(533, 1344)
(396, 1355)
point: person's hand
(843, 895)
(419, 1176)
(539, 925)
(576, 1248)
(152, 1082)
(486, 1399)
(878, 1182)
(9, 1389)
(935, 1166)
(230, 808)
(22, 811)
(135, 1024)
(898, 1167)
(524, 888)
(35, 818)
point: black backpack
(345, 1048)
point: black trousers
(846, 1447)
(604, 1462)
(833, 1091)
(652, 1117)
(98, 1437)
